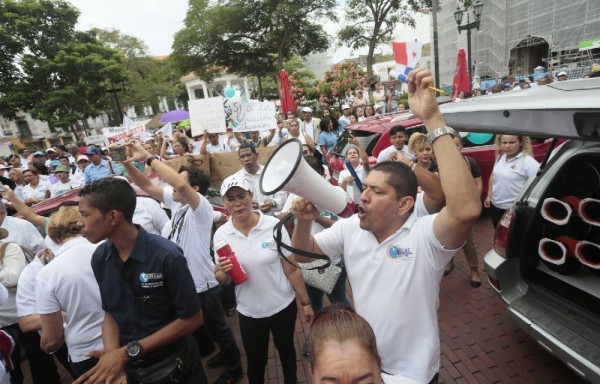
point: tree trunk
(370, 58)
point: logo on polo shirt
(269, 245)
(151, 280)
(397, 254)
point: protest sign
(253, 116)
(207, 114)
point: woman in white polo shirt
(66, 290)
(266, 301)
(512, 170)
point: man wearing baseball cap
(345, 118)
(65, 183)
(310, 124)
(98, 167)
(562, 76)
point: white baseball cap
(307, 109)
(345, 106)
(562, 73)
(233, 181)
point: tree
(339, 79)
(373, 22)
(48, 69)
(250, 37)
(300, 77)
(148, 79)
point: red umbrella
(462, 81)
(285, 95)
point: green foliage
(148, 79)
(48, 69)
(372, 22)
(249, 37)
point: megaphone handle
(281, 244)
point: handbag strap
(281, 244)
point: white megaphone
(286, 170)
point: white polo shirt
(149, 215)
(396, 287)
(26, 296)
(68, 284)
(391, 149)
(192, 234)
(23, 233)
(510, 177)
(267, 290)
(221, 147)
(38, 192)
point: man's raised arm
(456, 219)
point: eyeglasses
(305, 153)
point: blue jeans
(338, 294)
(218, 330)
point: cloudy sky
(156, 22)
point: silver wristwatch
(436, 133)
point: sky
(156, 21)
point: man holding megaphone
(395, 260)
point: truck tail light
(503, 232)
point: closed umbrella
(462, 81)
(285, 94)
(174, 116)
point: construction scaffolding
(518, 35)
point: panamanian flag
(407, 56)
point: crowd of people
(119, 291)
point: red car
(374, 135)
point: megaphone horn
(590, 211)
(286, 170)
(556, 251)
(588, 254)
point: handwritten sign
(207, 114)
(253, 116)
(118, 134)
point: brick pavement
(479, 343)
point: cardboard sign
(253, 116)
(207, 115)
(225, 164)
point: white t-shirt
(221, 147)
(149, 215)
(38, 192)
(362, 175)
(396, 289)
(309, 128)
(510, 178)
(68, 284)
(62, 188)
(383, 155)
(23, 233)
(26, 296)
(192, 234)
(267, 290)
(11, 267)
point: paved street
(480, 344)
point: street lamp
(458, 15)
(115, 91)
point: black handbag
(166, 366)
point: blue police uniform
(151, 289)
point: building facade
(516, 36)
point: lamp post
(458, 15)
(115, 91)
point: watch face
(133, 349)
